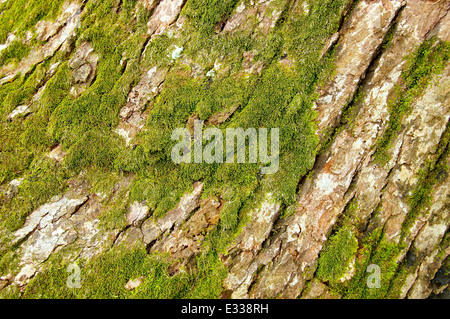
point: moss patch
(105, 276)
(336, 256)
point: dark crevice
(150, 245)
(148, 38)
(344, 17)
(437, 22)
(410, 255)
(179, 14)
(119, 6)
(316, 164)
(369, 226)
(419, 258)
(221, 25)
(166, 233)
(347, 12)
(255, 278)
(284, 14)
(123, 66)
(120, 233)
(196, 209)
(78, 207)
(261, 267)
(144, 46)
(273, 231)
(17, 244)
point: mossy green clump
(115, 211)
(95, 149)
(45, 178)
(157, 51)
(105, 276)
(205, 14)
(58, 117)
(338, 253)
(378, 252)
(26, 138)
(22, 15)
(383, 256)
(23, 90)
(281, 98)
(91, 117)
(375, 273)
(55, 90)
(9, 261)
(24, 142)
(14, 52)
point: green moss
(105, 276)
(26, 138)
(10, 292)
(398, 281)
(103, 181)
(350, 216)
(95, 148)
(114, 214)
(384, 257)
(230, 222)
(22, 93)
(205, 14)
(44, 179)
(336, 256)
(9, 261)
(157, 51)
(14, 52)
(269, 103)
(375, 250)
(161, 188)
(55, 90)
(113, 195)
(22, 15)
(280, 97)
(14, 157)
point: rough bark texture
(401, 205)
